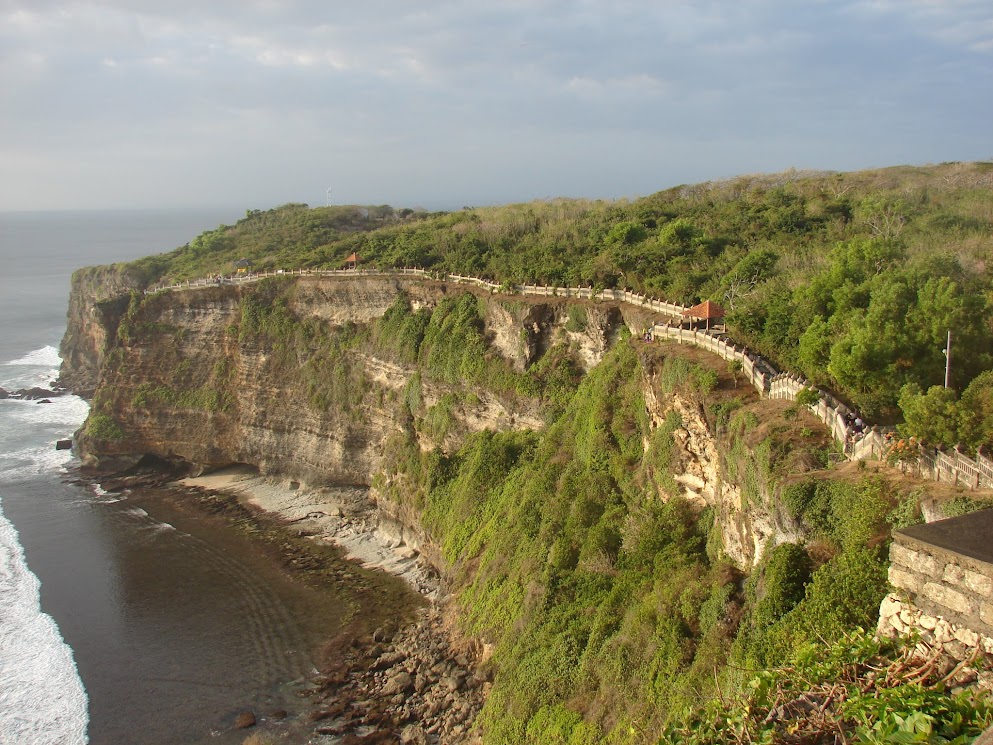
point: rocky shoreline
(399, 672)
(415, 687)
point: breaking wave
(42, 699)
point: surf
(42, 698)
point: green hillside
(853, 279)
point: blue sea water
(116, 625)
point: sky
(444, 104)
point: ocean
(122, 619)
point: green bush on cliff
(857, 685)
(401, 331)
(841, 594)
(103, 427)
(573, 559)
(448, 344)
(207, 397)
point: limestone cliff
(175, 375)
(723, 471)
(99, 297)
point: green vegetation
(611, 605)
(103, 427)
(942, 416)
(852, 279)
(865, 688)
(613, 610)
(207, 397)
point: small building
(352, 262)
(706, 311)
(242, 265)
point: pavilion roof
(353, 259)
(706, 310)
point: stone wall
(943, 576)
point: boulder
(245, 720)
(30, 394)
(413, 734)
(399, 683)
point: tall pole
(948, 360)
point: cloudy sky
(253, 103)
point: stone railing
(943, 575)
(757, 370)
(871, 443)
(953, 467)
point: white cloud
(456, 92)
(961, 23)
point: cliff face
(712, 472)
(99, 297)
(174, 375)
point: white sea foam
(67, 411)
(42, 699)
(31, 462)
(37, 368)
(102, 496)
(47, 356)
(47, 424)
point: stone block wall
(943, 591)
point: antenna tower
(329, 196)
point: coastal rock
(399, 683)
(393, 690)
(31, 394)
(245, 720)
(413, 734)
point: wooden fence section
(873, 443)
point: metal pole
(948, 360)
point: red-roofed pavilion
(706, 311)
(352, 261)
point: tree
(932, 416)
(735, 367)
(627, 233)
(976, 412)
